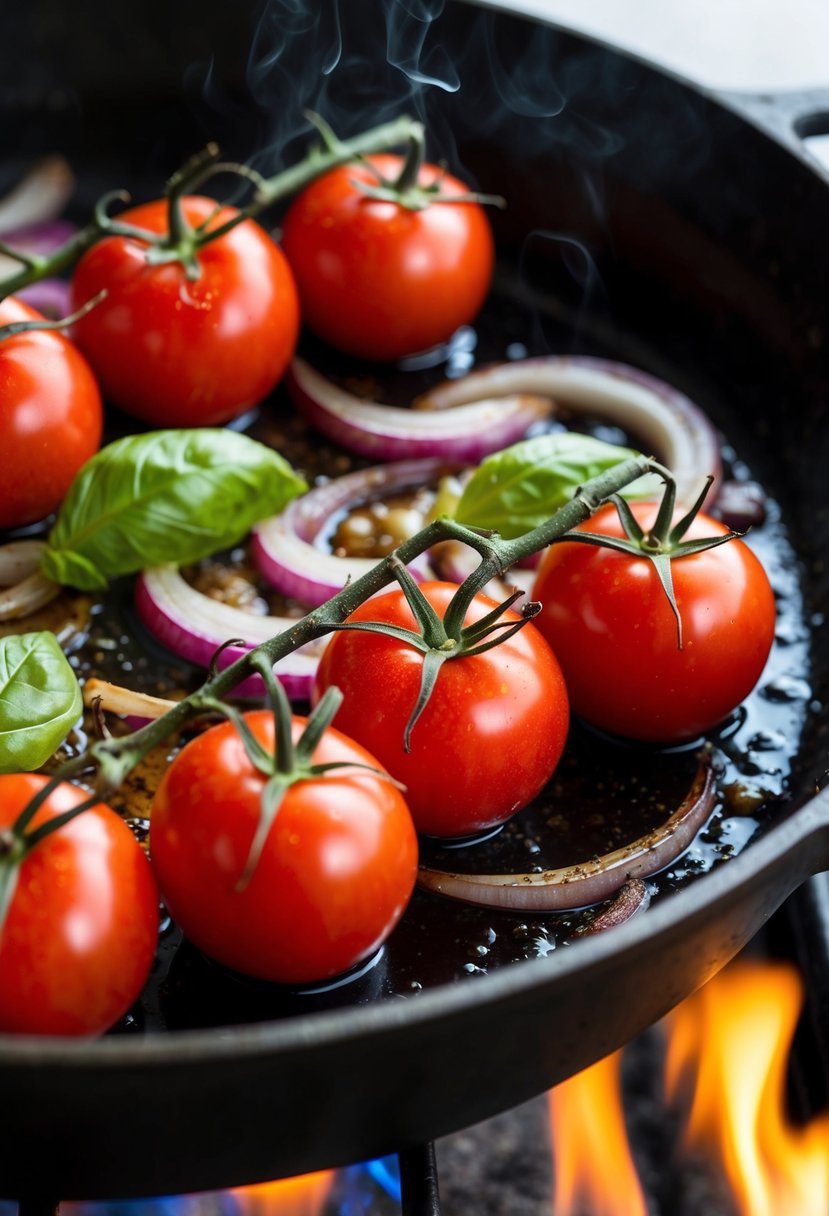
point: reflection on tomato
(377, 279)
(615, 634)
(177, 351)
(335, 875)
(50, 417)
(79, 937)
(493, 730)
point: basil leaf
(166, 496)
(40, 700)
(515, 490)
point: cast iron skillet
(703, 220)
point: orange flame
(594, 1171)
(301, 1196)
(730, 1042)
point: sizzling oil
(605, 792)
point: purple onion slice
(666, 423)
(194, 626)
(591, 881)
(288, 548)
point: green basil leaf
(40, 700)
(515, 490)
(166, 496)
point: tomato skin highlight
(80, 934)
(180, 352)
(381, 281)
(50, 417)
(488, 740)
(615, 634)
(334, 878)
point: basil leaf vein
(166, 496)
(40, 700)
(516, 490)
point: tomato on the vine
(378, 279)
(493, 729)
(180, 351)
(50, 417)
(79, 936)
(615, 633)
(334, 876)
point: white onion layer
(590, 881)
(669, 424)
(387, 432)
(23, 589)
(194, 626)
(38, 197)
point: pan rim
(310, 1031)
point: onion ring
(23, 589)
(387, 432)
(194, 626)
(589, 882)
(678, 431)
(286, 548)
(631, 898)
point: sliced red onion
(589, 882)
(141, 707)
(23, 589)
(194, 626)
(19, 559)
(286, 547)
(633, 897)
(38, 197)
(664, 420)
(387, 432)
(49, 296)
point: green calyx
(662, 544)
(407, 191)
(288, 763)
(18, 840)
(441, 639)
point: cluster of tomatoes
(379, 281)
(177, 348)
(196, 341)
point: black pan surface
(696, 259)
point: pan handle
(790, 116)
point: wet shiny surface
(604, 794)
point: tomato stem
(113, 759)
(22, 327)
(196, 171)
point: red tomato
(379, 280)
(615, 634)
(334, 878)
(187, 352)
(491, 734)
(50, 417)
(80, 934)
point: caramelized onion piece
(589, 882)
(633, 897)
(23, 589)
(117, 700)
